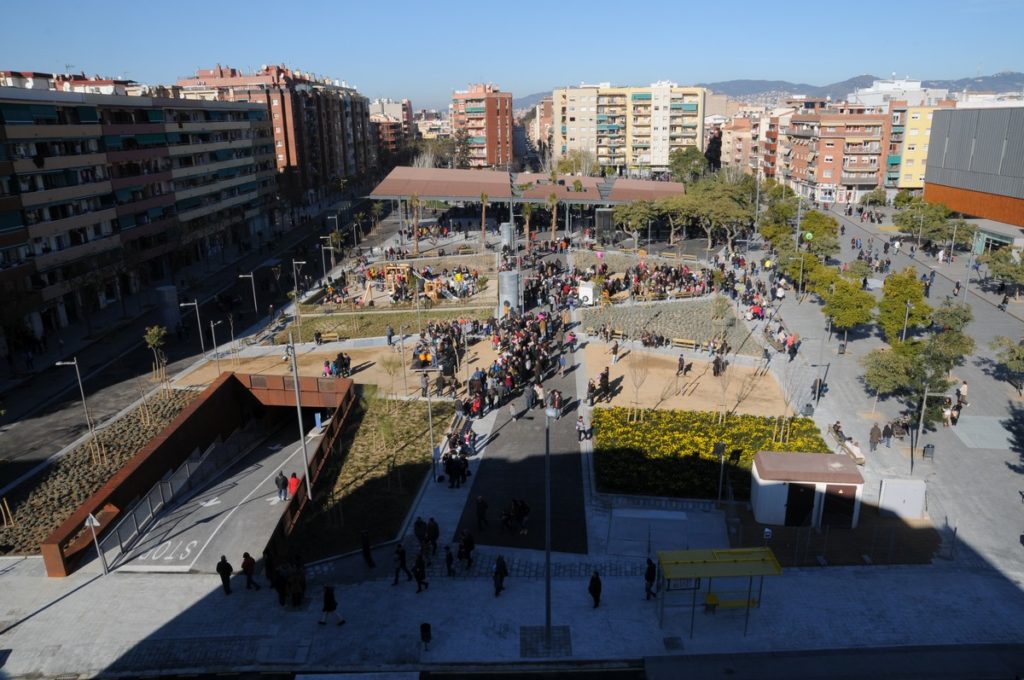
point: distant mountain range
(1007, 81)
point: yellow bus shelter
(696, 570)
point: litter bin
(808, 409)
(842, 348)
(928, 452)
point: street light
(405, 372)
(296, 265)
(199, 324)
(213, 337)
(906, 319)
(549, 413)
(85, 407)
(323, 262)
(252, 279)
(290, 351)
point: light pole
(252, 279)
(920, 424)
(290, 350)
(213, 336)
(906, 319)
(296, 265)
(323, 260)
(85, 407)
(405, 372)
(549, 413)
(333, 258)
(199, 324)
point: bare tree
(639, 367)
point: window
(280, 156)
(276, 102)
(277, 116)
(829, 145)
(915, 116)
(828, 159)
(913, 132)
(911, 147)
(826, 173)
(926, 148)
(910, 161)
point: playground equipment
(395, 274)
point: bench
(465, 250)
(712, 603)
(847, 446)
(686, 343)
(774, 342)
(329, 336)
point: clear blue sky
(425, 49)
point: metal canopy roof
(679, 564)
(443, 184)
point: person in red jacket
(293, 485)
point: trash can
(808, 409)
(928, 452)
(842, 348)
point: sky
(424, 50)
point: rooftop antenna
(67, 69)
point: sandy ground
(746, 391)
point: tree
(527, 213)
(1007, 265)
(674, 210)
(414, 203)
(687, 165)
(824, 230)
(902, 199)
(460, 148)
(577, 162)
(634, 217)
(552, 204)
(874, 197)
(948, 345)
(1011, 356)
(900, 289)
(927, 220)
(377, 210)
(484, 202)
(155, 337)
(905, 371)
(358, 220)
(849, 306)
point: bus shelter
(694, 572)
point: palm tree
(358, 219)
(552, 204)
(483, 222)
(527, 212)
(377, 210)
(414, 203)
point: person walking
(615, 352)
(650, 574)
(389, 333)
(293, 485)
(887, 435)
(249, 569)
(962, 394)
(581, 429)
(224, 569)
(449, 560)
(424, 384)
(419, 570)
(874, 437)
(400, 564)
(330, 606)
(281, 482)
(500, 572)
(594, 588)
(433, 535)
(364, 542)
(481, 513)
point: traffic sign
(91, 521)
(809, 236)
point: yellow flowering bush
(671, 453)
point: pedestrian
(962, 394)
(500, 572)
(419, 570)
(389, 333)
(947, 415)
(481, 513)
(449, 560)
(681, 365)
(595, 588)
(650, 574)
(874, 437)
(615, 352)
(364, 541)
(249, 569)
(433, 535)
(330, 607)
(400, 564)
(513, 412)
(281, 482)
(581, 429)
(424, 384)
(887, 435)
(225, 570)
(293, 485)
(420, 531)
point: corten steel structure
(467, 185)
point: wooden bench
(847, 446)
(712, 603)
(329, 336)
(774, 342)
(465, 250)
(685, 343)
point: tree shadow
(1014, 425)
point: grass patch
(671, 453)
(373, 324)
(372, 485)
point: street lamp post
(333, 258)
(298, 408)
(405, 372)
(906, 319)
(549, 413)
(296, 265)
(323, 260)
(252, 279)
(199, 324)
(85, 406)
(213, 337)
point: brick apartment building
(321, 127)
(485, 114)
(102, 195)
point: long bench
(686, 343)
(329, 336)
(712, 603)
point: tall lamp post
(199, 324)
(252, 279)
(906, 319)
(85, 407)
(405, 372)
(296, 266)
(213, 336)
(333, 258)
(290, 350)
(549, 413)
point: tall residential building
(103, 195)
(910, 92)
(630, 130)
(485, 114)
(835, 155)
(389, 133)
(396, 110)
(321, 127)
(540, 126)
(909, 143)
(737, 143)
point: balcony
(28, 132)
(861, 180)
(55, 258)
(68, 193)
(858, 148)
(893, 159)
(802, 132)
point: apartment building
(738, 148)
(321, 127)
(485, 114)
(540, 127)
(911, 92)
(835, 155)
(400, 110)
(389, 132)
(629, 130)
(103, 195)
